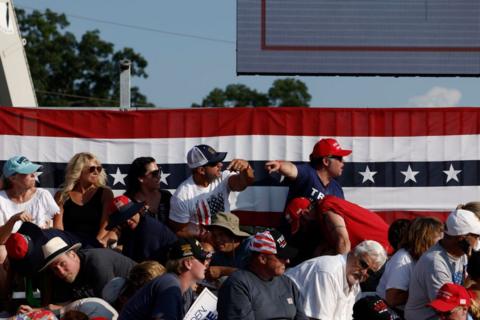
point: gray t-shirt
(434, 268)
(244, 296)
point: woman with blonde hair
(422, 234)
(84, 200)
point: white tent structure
(16, 86)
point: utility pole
(125, 99)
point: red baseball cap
(449, 297)
(328, 147)
(17, 246)
(295, 210)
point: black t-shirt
(97, 267)
(247, 297)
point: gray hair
(373, 249)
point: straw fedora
(54, 248)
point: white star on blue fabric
(118, 177)
(410, 174)
(38, 174)
(163, 177)
(368, 175)
(452, 173)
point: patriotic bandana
(272, 242)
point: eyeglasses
(339, 158)
(92, 169)
(155, 173)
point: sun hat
(228, 221)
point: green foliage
(216, 98)
(284, 92)
(239, 95)
(88, 67)
(289, 93)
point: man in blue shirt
(169, 295)
(142, 236)
(315, 179)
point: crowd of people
(147, 254)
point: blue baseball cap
(19, 164)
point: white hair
(373, 249)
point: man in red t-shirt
(343, 224)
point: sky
(192, 50)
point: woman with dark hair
(143, 185)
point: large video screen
(359, 37)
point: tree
(216, 98)
(289, 93)
(284, 92)
(239, 95)
(71, 72)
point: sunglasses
(155, 173)
(364, 266)
(92, 169)
(339, 158)
(208, 257)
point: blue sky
(183, 69)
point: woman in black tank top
(84, 200)
(143, 185)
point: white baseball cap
(462, 222)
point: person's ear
(262, 258)
(325, 161)
(187, 264)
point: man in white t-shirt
(445, 262)
(329, 285)
(206, 191)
